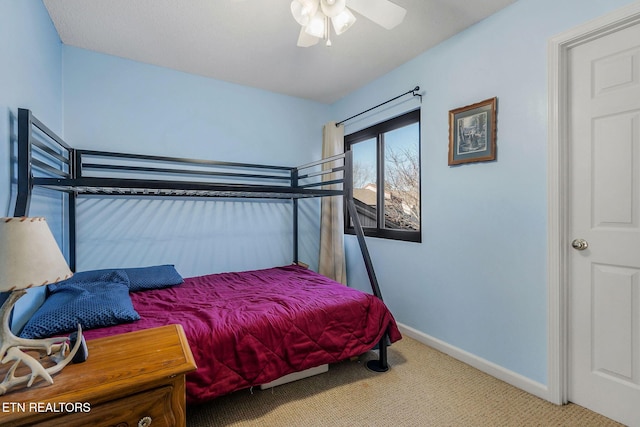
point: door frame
(558, 188)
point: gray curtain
(332, 259)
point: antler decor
(30, 256)
(14, 349)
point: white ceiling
(253, 42)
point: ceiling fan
(318, 16)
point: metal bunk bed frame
(46, 161)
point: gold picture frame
(472, 132)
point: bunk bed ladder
(381, 364)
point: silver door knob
(580, 244)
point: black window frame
(377, 131)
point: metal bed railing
(46, 161)
(50, 163)
(106, 173)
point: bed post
(75, 170)
(23, 199)
(381, 364)
(295, 231)
(294, 184)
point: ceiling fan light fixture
(333, 8)
(304, 10)
(314, 16)
(316, 26)
(343, 21)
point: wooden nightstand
(130, 380)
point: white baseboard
(497, 371)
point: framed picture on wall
(472, 133)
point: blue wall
(121, 105)
(30, 77)
(478, 280)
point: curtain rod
(412, 91)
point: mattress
(250, 328)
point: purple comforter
(250, 328)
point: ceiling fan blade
(305, 39)
(382, 12)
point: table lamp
(29, 257)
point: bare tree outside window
(402, 185)
(363, 174)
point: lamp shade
(29, 254)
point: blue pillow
(154, 277)
(104, 301)
(86, 278)
(138, 278)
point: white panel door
(604, 282)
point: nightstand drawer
(148, 409)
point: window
(387, 156)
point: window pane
(402, 178)
(365, 181)
(386, 178)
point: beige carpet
(424, 387)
